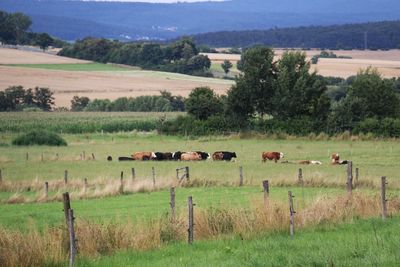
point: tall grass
(17, 249)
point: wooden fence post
(93, 157)
(42, 157)
(292, 212)
(153, 171)
(84, 155)
(187, 172)
(133, 174)
(67, 205)
(177, 174)
(72, 241)
(27, 156)
(1, 177)
(357, 175)
(172, 203)
(46, 189)
(85, 185)
(266, 193)
(121, 186)
(300, 176)
(191, 221)
(350, 177)
(57, 156)
(66, 177)
(241, 176)
(383, 197)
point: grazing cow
(160, 156)
(177, 155)
(125, 158)
(204, 155)
(143, 155)
(272, 156)
(190, 156)
(335, 160)
(224, 155)
(308, 162)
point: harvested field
(387, 62)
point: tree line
(14, 30)
(284, 96)
(378, 35)
(17, 98)
(181, 56)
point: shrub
(39, 137)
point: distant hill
(378, 35)
(70, 20)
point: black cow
(204, 155)
(125, 159)
(177, 155)
(224, 155)
(109, 158)
(160, 156)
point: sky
(157, 1)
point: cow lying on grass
(335, 160)
(190, 156)
(275, 156)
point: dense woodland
(379, 35)
(181, 56)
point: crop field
(69, 77)
(229, 219)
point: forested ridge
(378, 35)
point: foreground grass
(147, 206)
(370, 242)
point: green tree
(43, 98)
(43, 40)
(226, 66)
(14, 97)
(297, 92)
(79, 103)
(254, 90)
(203, 103)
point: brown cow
(335, 160)
(190, 156)
(272, 156)
(218, 156)
(143, 155)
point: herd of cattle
(217, 156)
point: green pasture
(217, 70)
(143, 206)
(370, 242)
(77, 67)
(373, 158)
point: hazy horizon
(155, 1)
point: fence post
(177, 174)
(292, 212)
(266, 193)
(357, 175)
(72, 241)
(383, 197)
(121, 186)
(187, 172)
(241, 176)
(66, 177)
(85, 185)
(57, 157)
(84, 155)
(191, 221)
(1, 177)
(93, 157)
(46, 189)
(300, 176)
(42, 157)
(27, 156)
(153, 171)
(133, 174)
(350, 177)
(67, 205)
(172, 203)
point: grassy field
(76, 67)
(361, 243)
